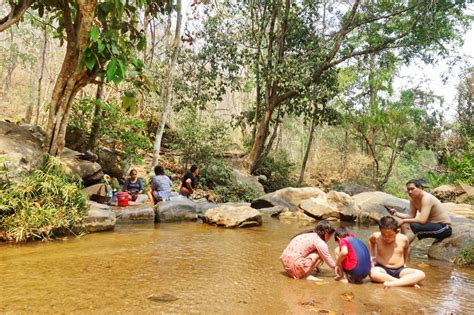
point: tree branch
(15, 14)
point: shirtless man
(389, 251)
(426, 218)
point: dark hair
(321, 228)
(340, 232)
(388, 222)
(132, 170)
(416, 182)
(193, 168)
(159, 170)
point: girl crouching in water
(307, 250)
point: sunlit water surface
(196, 268)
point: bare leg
(408, 232)
(378, 274)
(317, 260)
(408, 277)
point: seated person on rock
(160, 186)
(307, 250)
(389, 252)
(133, 185)
(427, 218)
(352, 257)
(189, 181)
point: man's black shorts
(438, 231)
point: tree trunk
(16, 12)
(169, 89)
(92, 143)
(72, 77)
(40, 79)
(314, 123)
(255, 155)
(269, 145)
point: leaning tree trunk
(314, 123)
(92, 143)
(40, 79)
(258, 147)
(169, 88)
(72, 77)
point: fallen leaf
(348, 296)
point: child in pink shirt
(307, 250)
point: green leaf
(111, 69)
(100, 46)
(94, 33)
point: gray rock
(87, 170)
(273, 211)
(371, 205)
(248, 180)
(230, 216)
(20, 150)
(332, 206)
(287, 197)
(99, 218)
(135, 214)
(459, 248)
(296, 215)
(352, 189)
(176, 210)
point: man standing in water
(426, 218)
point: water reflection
(196, 268)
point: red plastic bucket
(122, 199)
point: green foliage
(220, 178)
(127, 132)
(460, 169)
(466, 255)
(43, 204)
(277, 169)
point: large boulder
(461, 210)
(372, 204)
(176, 210)
(445, 193)
(90, 172)
(230, 216)
(463, 192)
(135, 213)
(99, 218)
(352, 189)
(459, 248)
(295, 215)
(333, 205)
(287, 197)
(273, 211)
(249, 181)
(20, 150)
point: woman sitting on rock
(133, 185)
(160, 186)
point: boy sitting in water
(352, 257)
(389, 263)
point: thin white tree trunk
(169, 89)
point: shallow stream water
(197, 268)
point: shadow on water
(196, 268)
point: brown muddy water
(196, 268)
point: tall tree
(168, 95)
(101, 38)
(304, 39)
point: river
(197, 268)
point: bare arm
(411, 212)
(422, 218)
(342, 255)
(372, 241)
(405, 252)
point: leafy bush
(45, 203)
(460, 169)
(277, 169)
(466, 256)
(126, 131)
